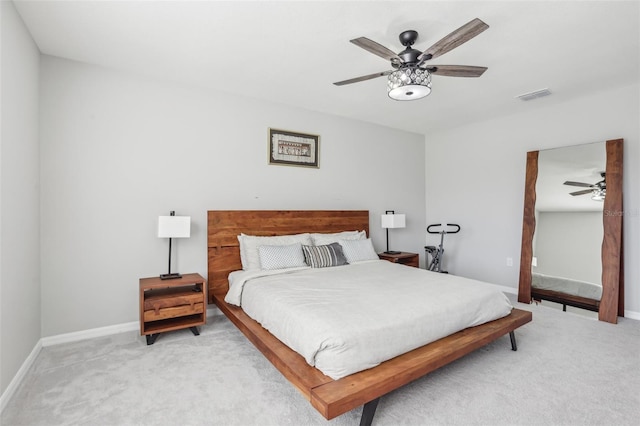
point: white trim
(632, 315)
(19, 377)
(103, 331)
(90, 334)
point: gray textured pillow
(281, 257)
(324, 256)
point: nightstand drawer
(410, 261)
(170, 297)
(173, 312)
(403, 258)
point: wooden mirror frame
(612, 300)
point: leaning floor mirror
(572, 228)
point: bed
(331, 397)
(568, 292)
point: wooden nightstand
(404, 258)
(167, 305)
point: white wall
(569, 244)
(117, 151)
(475, 177)
(19, 193)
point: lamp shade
(174, 226)
(393, 221)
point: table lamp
(173, 226)
(392, 220)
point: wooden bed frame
(330, 397)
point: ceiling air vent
(534, 95)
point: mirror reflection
(567, 242)
(571, 248)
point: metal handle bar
(443, 231)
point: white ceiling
(292, 52)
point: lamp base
(172, 276)
(392, 252)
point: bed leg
(368, 411)
(514, 345)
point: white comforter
(349, 318)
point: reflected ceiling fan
(597, 190)
(410, 77)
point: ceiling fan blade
(455, 39)
(363, 78)
(582, 184)
(584, 191)
(457, 70)
(376, 48)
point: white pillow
(358, 250)
(281, 257)
(249, 255)
(326, 239)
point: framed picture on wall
(287, 148)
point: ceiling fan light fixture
(409, 83)
(599, 194)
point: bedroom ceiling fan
(410, 77)
(597, 190)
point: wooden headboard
(224, 226)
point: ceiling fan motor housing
(409, 56)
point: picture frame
(288, 148)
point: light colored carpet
(568, 370)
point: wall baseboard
(101, 331)
(632, 315)
(89, 334)
(19, 377)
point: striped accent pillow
(324, 256)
